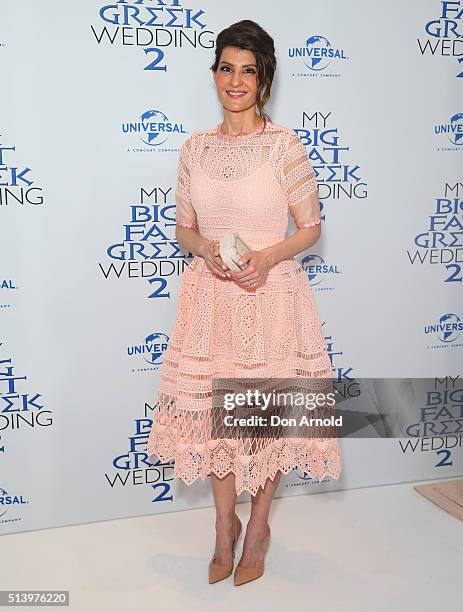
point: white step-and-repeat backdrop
(90, 268)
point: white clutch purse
(231, 249)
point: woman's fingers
(213, 260)
(215, 267)
(221, 263)
(254, 282)
(251, 276)
(218, 259)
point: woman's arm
(186, 230)
(191, 240)
(300, 184)
(298, 242)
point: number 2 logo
(159, 56)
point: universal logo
(317, 54)
(306, 478)
(153, 128)
(447, 329)
(151, 351)
(7, 503)
(453, 129)
(319, 272)
(7, 283)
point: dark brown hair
(248, 35)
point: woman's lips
(235, 94)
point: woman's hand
(210, 252)
(257, 269)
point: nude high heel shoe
(219, 572)
(246, 574)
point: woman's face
(236, 79)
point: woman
(243, 176)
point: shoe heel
(220, 572)
(246, 574)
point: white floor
(373, 549)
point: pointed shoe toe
(219, 572)
(246, 574)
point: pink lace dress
(246, 184)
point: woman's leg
(256, 530)
(225, 499)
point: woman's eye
(249, 70)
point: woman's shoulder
(290, 134)
(194, 138)
(198, 134)
(279, 127)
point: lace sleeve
(300, 184)
(185, 213)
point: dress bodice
(246, 184)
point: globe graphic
(159, 342)
(313, 61)
(451, 334)
(3, 493)
(308, 265)
(302, 475)
(154, 138)
(457, 122)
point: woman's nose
(235, 79)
